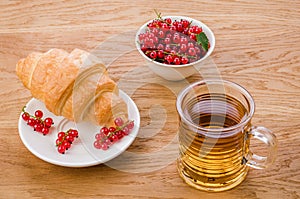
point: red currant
(164, 27)
(65, 139)
(154, 31)
(168, 48)
(192, 52)
(183, 47)
(169, 35)
(175, 23)
(107, 142)
(119, 134)
(66, 144)
(197, 29)
(184, 60)
(31, 122)
(126, 130)
(38, 114)
(144, 48)
(179, 27)
(159, 23)
(176, 39)
(99, 136)
(151, 35)
(112, 129)
(183, 40)
(168, 21)
(97, 144)
(173, 52)
(160, 47)
(130, 125)
(104, 130)
(152, 25)
(104, 146)
(169, 59)
(146, 40)
(160, 54)
(73, 133)
(185, 23)
(61, 135)
(193, 36)
(190, 45)
(69, 138)
(104, 141)
(38, 127)
(176, 61)
(45, 130)
(153, 55)
(173, 28)
(191, 30)
(114, 138)
(167, 40)
(119, 121)
(141, 36)
(48, 122)
(58, 142)
(161, 34)
(25, 116)
(186, 31)
(197, 49)
(61, 149)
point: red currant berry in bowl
(174, 54)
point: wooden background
(257, 46)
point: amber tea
(214, 136)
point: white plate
(82, 152)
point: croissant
(74, 85)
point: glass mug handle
(266, 136)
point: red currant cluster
(111, 135)
(36, 121)
(173, 42)
(65, 139)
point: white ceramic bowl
(177, 72)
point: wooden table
(257, 46)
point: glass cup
(214, 135)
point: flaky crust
(25, 68)
(75, 85)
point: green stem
(158, 14)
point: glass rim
(241, 89)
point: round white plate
(82, 152)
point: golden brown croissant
(75, 85)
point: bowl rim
(204, 27)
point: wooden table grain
(257, 46)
